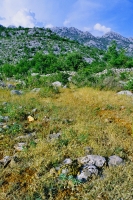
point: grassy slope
(99, 119)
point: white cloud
(101, 28)
(49, 26)
(25, 18)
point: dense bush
(72, 61)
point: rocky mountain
(18, 43)
(88, 39)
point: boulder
(115, 161)
(87, 172)
(125, 92)
(5, 161)
(57, 84)
(16, 92)
(67, 161)
(96, 160)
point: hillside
(20, 43)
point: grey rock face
(115, 160)
(96, 160)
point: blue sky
(96, 16)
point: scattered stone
(14, 161)
(5, 161)
(30, 118)
(67, 121)
(67, 161)
(53, 171)
(122, 107)
(16, 92)
(29, 135)
(2, 84)
(19, 146)
(4, 103)
(126, 92)
(57, 84)
(1, 136)
(96, 160)
(5, 126)
(54, 136)
(10, 86)
(34, 74)
(34, 111)
(108, 120)
(87, 172)
(1, 123)
(4, 118)
(115, 161)
(88, 150)
(36, 90)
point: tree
(115, 57)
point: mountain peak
(115, 36)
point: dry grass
(85, 117)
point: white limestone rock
(115, 161)
(5, 161)
(96, 160)
(57, 84)
(87, 172)
(126, 92)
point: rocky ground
(76, 144)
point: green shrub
(129, 85)
(49, 91)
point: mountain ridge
(18, 43)
(88, 39)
